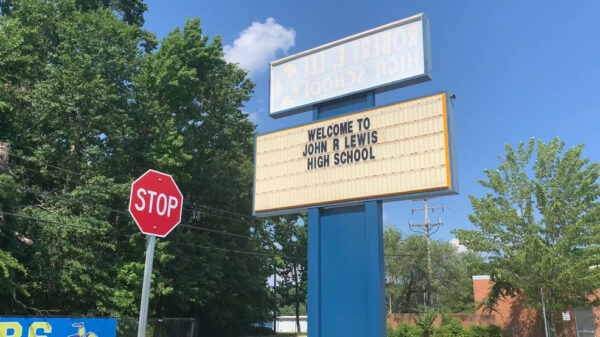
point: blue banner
(57, 327)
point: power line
(95, 228)
(29, 217)
(83, 175)
(196, 204)
(71, 200)
(28, 189)
(17, 166)
(48, 165)
(217, 231)
(47, 195)
(218, 209)
(173, 242)
(237, 251)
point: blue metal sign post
(345, 257)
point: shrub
(483, 331)
(404, 330)
(451, 327)
(425, 322)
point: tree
(406, 274)
(539, 225)
(290, 236)
(88, 104)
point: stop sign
(155, 203)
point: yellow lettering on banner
(45, 326)
(14, 328)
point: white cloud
(258, 44)
(456, 243)
(253, 117)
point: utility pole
(428, 229)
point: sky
(519, 69)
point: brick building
(516, 320)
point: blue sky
(519, 69)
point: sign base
(346, 271)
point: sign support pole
(345, 257)
(146, 287)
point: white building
(287, 324)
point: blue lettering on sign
(57, 327)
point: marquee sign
(394, 151)
(383, 58)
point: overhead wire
(266, 254)
(237, 251)
(194, 227)
(29, 217)
(48, 165)
(21, 167)
(68, 199)
(204, 213)
(185, 202)
(45, 194)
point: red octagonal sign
(155, 203)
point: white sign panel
(390, 152)
(381, 58)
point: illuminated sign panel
(381, 58)
(393, 151)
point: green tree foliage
(406, 274)
(450, 327)
(539, 226)
(88, 104)
(290, 236)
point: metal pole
(544, 311)
(275, 297)
(426, 229)
(429, 269)
(146, 287)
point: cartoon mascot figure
(81, 331)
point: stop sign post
(155, 203)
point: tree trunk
(4, 154)
(275, 302)
(297, 293)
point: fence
(163, 327)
